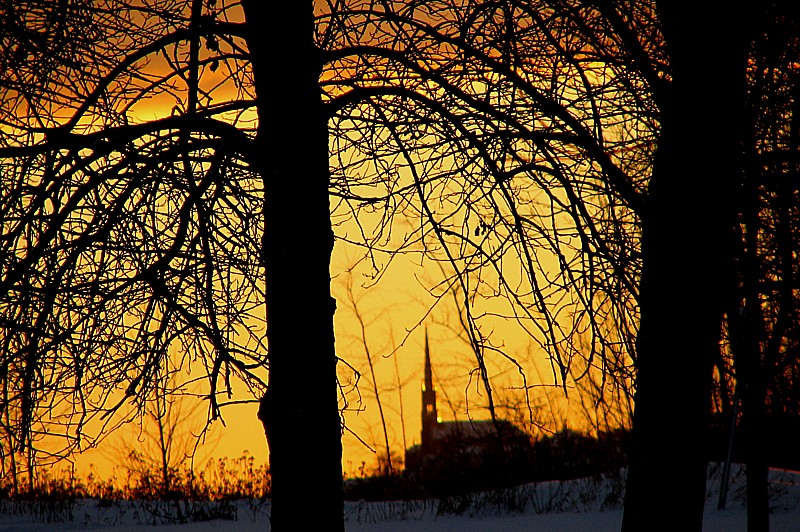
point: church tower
(430, 417)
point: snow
(584, 504)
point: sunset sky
(399, 297)
(397, 312)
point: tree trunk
(300, 409)
(687, 264)
(746, 328)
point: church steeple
(429, 415)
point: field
(583, 504)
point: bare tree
(536, 149)
(124, 238)
(522, 138)
(373, 381)
(139, 224)
(160, 449)
(761, 338)
(517, 139)
(522, 168)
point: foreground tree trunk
(300, 409)
(746, 331)
(687, 250)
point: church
(473, 450)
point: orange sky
(397, 311)
(392, 311)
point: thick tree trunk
(687, 260)
(746, 325)
(757, 468)
(300, 410)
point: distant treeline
(564, 455)
(464, 467)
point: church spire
(428, 372)
(430, 417)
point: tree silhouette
(763, 308)
(687, 262)
(519, 169)
(145, 216)
(300, 407)
(166, 173)
(513, 131)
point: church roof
(466, 430)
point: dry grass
(218, 479)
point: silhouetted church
(456, 448)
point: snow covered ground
(585, 504)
